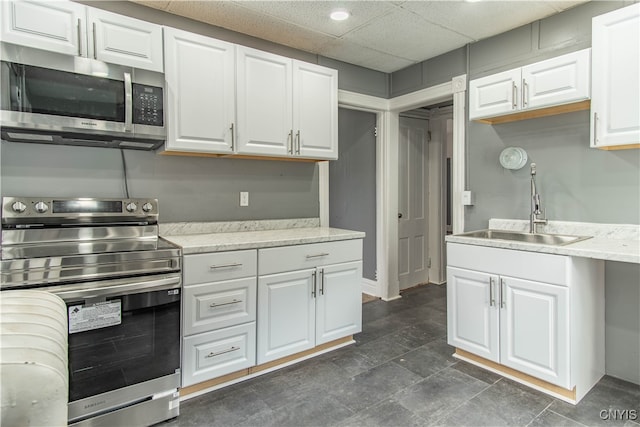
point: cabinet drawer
(219, 305)
(298, 257)
(212, 267)
(547, 268)
(217, 353)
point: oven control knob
(131, 207)
(41, 207)
(19, 207)
(147, 207)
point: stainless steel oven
(122, 287)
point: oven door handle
(90, 290)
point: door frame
(387, 285)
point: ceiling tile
(406, 35)
(353, 53)
(479, 20)
(315, 14)
(234, 16)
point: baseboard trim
(371, 287)
(255, 371)
(533, 382)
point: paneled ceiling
(380, 35)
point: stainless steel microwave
(58, 99)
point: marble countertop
(253, 235)
(610, 242)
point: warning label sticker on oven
(87, 317)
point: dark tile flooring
(400, 373)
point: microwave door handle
(128, 103)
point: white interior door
(412, 202)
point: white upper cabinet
(73, 29)
(264, 90)
(286, 108)
(57, 26)
(315, 111)
(126, 41)
(615, 103)
(556, 81)
(200, 83)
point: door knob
(399, 215)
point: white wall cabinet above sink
(615, 105)
(73, 29)
(524, 92)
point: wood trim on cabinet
(540, 112)
(238, 156)
(618, 147)
(516, 375)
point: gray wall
(352, 182)
(189, 188)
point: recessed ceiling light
(339, 15)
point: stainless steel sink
(544, 239)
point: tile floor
(400, 373)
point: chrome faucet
(534, 218)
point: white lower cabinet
(538, 314)
(309, 297)
(219, 314)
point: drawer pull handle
(235, 264)
(317, 255)
(214, 305)
(222, 352)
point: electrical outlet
(244, 198)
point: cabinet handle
(503, 291)
(233, 138)
(222, 352)
(313, 287)
(318, 255)
(128, 103)
(235, 264)
(298, 141)
(290, 142)
(525, 93)
(492, 300)
(595, 128)
(95, 42)
(514, 94)
(79, 37)
(214, 305)
(321, 272)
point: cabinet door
(339, 301)
(57, 26)
(200, 79)
(472, 312)
(123, 40)
(494, 95)
(615, 104)
(315, 111)
(264, 90)
(286, 314)
(556, 81)
(534, 326)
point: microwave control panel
(147, 105)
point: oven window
(144, 346)
(60, 93)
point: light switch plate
(244, 198)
